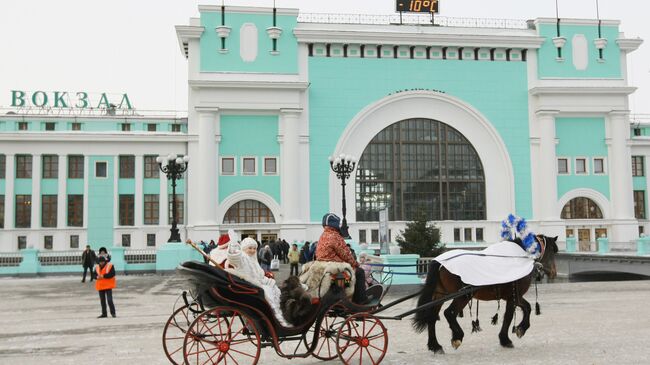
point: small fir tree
(420, 237)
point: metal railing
(413, 19)
(141, 256)
(10, 259)
(58, 258)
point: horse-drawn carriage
(224, 319)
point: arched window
(248, 211)
(581, 208)
(420, 165)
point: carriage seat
(319, 275)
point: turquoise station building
(465, 123)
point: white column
(205, 201)
(138, 204)
(547, 165)
(36, 192)
(620, 166)
(290, 161)
(10, 221)
(62, 197)
(163, 200)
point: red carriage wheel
(326, 347)
(366, 344)
(222, 335)
(174, 334)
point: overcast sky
(130, 46)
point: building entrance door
(268, 237)
(251, 234)
(584, 239)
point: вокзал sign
(64, 99)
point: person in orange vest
(105, 282)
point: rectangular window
(151, 167)
(23, 166)
(75, 210)
(639, 204)
(2, 211)
(374, 235)
(468, 234)
(362, 236)
(637, 166)
(227, 166)
(562, 166)
(75, 167)
(248, 166)
(76, 126)
(456, 234)
(151, 209)
(581, 166)
(641, 230)
(50, 126)
(48, 242)
(479, 235)
(50, 166)
(74, 241)
(126, 127)
(270, 166)
(127, 167)
(599, 166)
(151, 240)
(48, 210)
(23, 211)
(126, 210)
(3, 166)
(176, 127)
(180, 218)
(101, 169)
(22, 242)
(151, 127)
(23, 126)
(637, 131)
(126, 240)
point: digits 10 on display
(417, 6)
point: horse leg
(505, 326)
(432, 343)
(523, 326)
(451, 313)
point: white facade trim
(497, 166)
(233, 198)
(597, 197)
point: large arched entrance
(583, 215)
(250, 213)
(420, 165)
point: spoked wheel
(368, 342)
(174, 333)
(222, 335)
(326, 347)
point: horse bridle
(542, 246)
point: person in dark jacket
(304, 253)
(105, 284)
(88, 258)
(266, 257)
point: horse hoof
(456, 344)
(508, 345)
(438, 351)
(520, 333)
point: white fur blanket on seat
(499, 263)
(316, 275)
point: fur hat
(247, 242)
(331, 220)
(223, 240)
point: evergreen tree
(420, 237)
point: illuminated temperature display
(417, 6)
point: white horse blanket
(499, 263)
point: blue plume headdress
(513, 227)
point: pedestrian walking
(88, 258)
(105, 284)
(294, 259)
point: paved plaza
(53, 320)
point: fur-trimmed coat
(317, 276)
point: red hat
(223, 240)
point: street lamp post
(174, 170)
(343, 166)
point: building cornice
(248, 84)
(629, 44)
(621, 90)
(185, 33)
(386, 35)
(571, 21)
(94, 137)
(248, 10)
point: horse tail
(424, 317)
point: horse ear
(555, 238)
